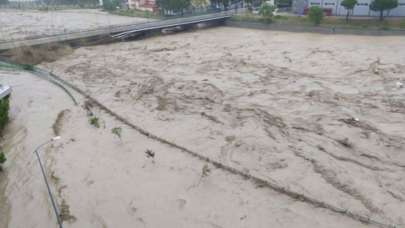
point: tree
(173, 5)
(349, 6)
(83, 3)
(215, 3)
(315, 15)
(225, 3)
(3, 2)
(249, 4)
(110, 5)
(199, 3)
(266, 11)
(382, 5)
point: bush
(4, 107)
(315, 15)
(94, 121)
(402, 24)
(110, 5)
(2, 159)
(266, 11)
(117, 131)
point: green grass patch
(4, 108)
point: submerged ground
(320, 115)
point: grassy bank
(337, 22)
(4, 108)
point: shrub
(27, 67)
(266, 11)
(402, 24)
(315, 15)
(4, 107)
(110, 5)
(94, 121)
(2, 159)
(117, 131)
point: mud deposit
(321, 115)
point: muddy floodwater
(23, 24)
(320, 115)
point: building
(361, 9)
(146, 5)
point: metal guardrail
(115, 29)
(174, 23)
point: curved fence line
(39, 72)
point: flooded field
(22, 24)
(320, 115)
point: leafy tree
(266, 11)
(199, 3)
(249, 4)
(315, 14)
(215, 3)
(382, 5)
(349, 6)
(87, 2)
(225, 3)
(173, 5)
(110, 5)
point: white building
(361, 9)
(145, 5)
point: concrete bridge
(119, 31)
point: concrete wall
(361, 9)
(315, 29)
